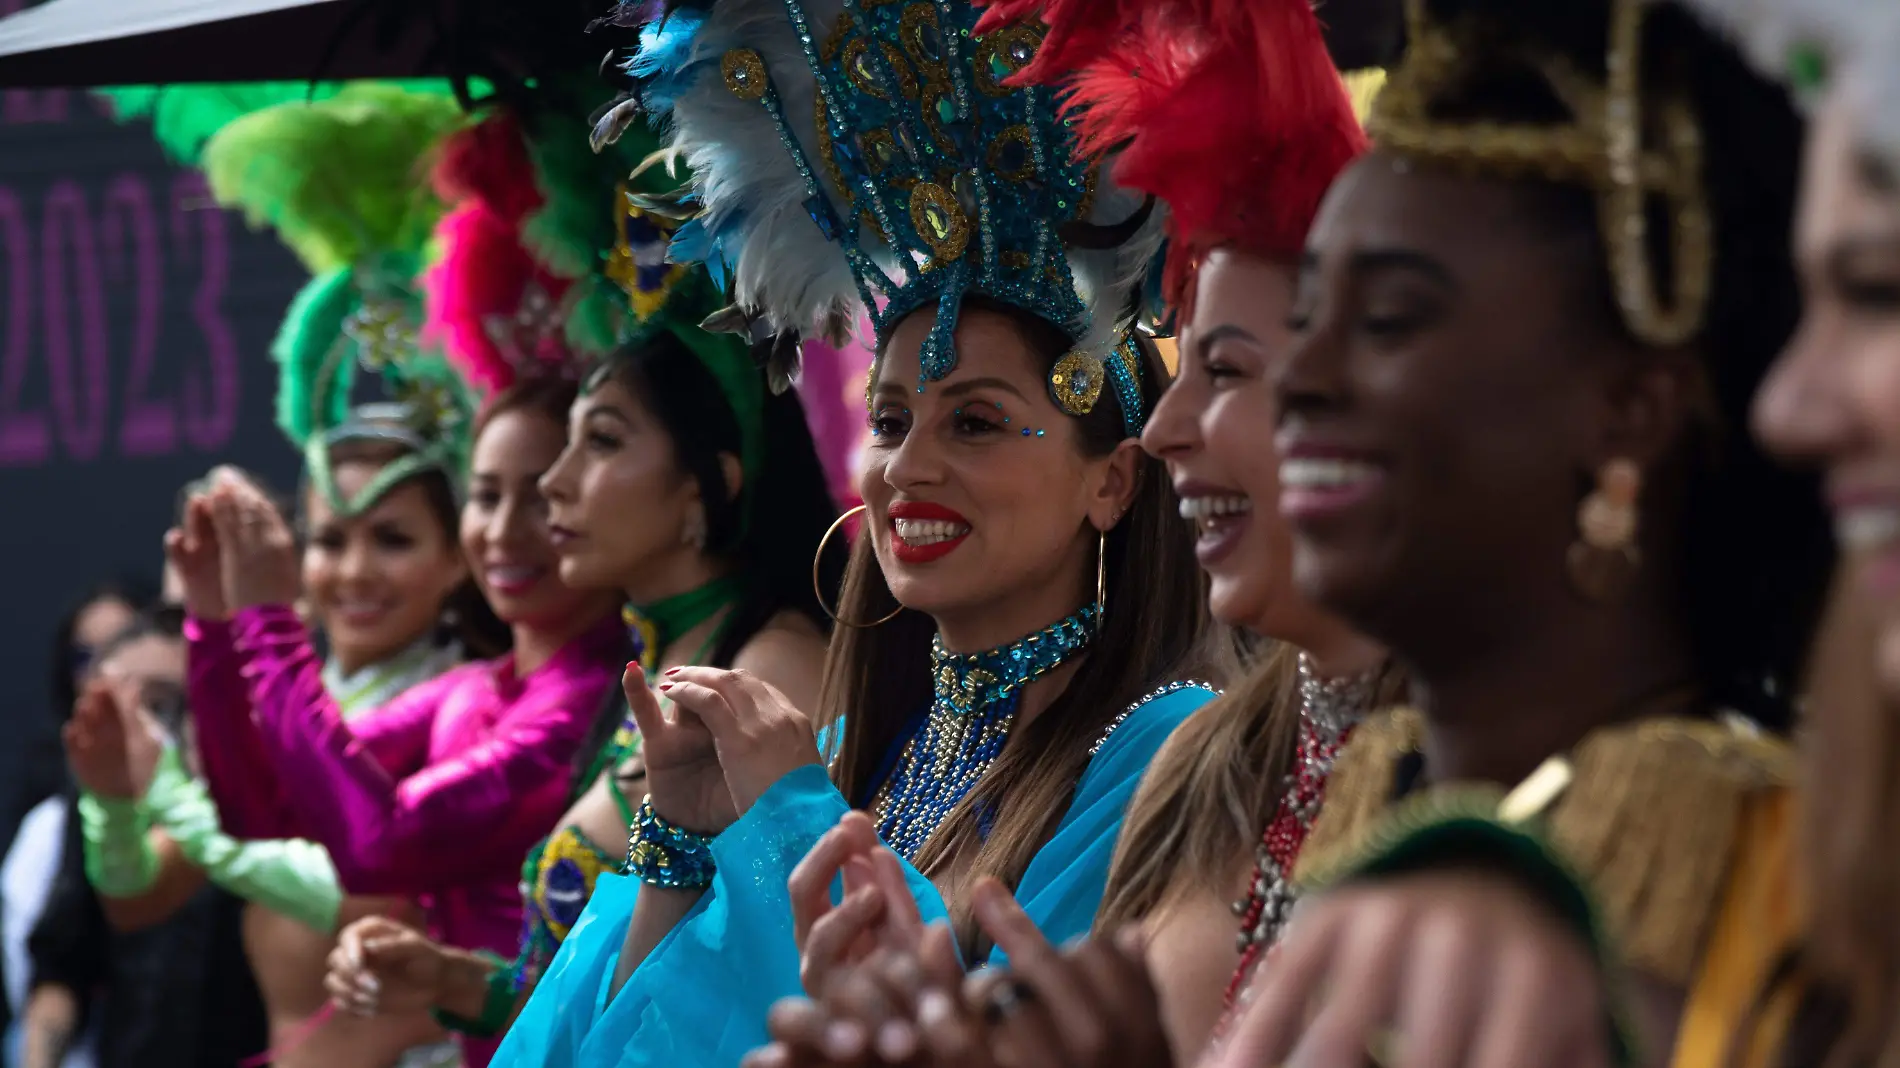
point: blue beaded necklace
(977, 696)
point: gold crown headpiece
(1605, 149)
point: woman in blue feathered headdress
(1020, 614)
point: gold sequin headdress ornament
(875, 158)
(1633, 145)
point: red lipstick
(924, 511)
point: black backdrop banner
(135, 324)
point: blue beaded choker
(976, 699)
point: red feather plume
(1230, 111)
(475, 294)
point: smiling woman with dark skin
(1517, 461)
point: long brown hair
(1212, 789)
(877, 679)
(1851, 806)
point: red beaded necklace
(1328, 711)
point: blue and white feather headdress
(865, 157)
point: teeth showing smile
(1203, 508)
(928, 531)
(1209, 514)
(1323, 474)
(1862, 529)
(359, 609)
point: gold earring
(819, 591)
(1101, 574)
(1604, 558)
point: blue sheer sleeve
(701, 996)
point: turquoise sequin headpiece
(866, 157)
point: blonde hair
(1211, 790)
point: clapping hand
(878, 911)
(1086, 1006)
(760, 736)
(684, 780)
(1435, 970)
(381, 966)
(111, 744)
(257, 552)
(192, 550)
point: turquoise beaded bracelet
(668, 856)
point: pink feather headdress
(496, 311)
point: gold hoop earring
(818, 591)
(1101, 573)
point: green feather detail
(572, 228)
(339, 179)
(184, 117)
(599, 320)
(314, 368)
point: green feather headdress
(342, 181)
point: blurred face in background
(505, 532)
(1214, 429)
(97, 623)
(1833, 400)
(626, 514)
(376, 582)
(148, 673)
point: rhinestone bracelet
(666, 855)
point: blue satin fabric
(701, 997)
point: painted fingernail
(672, 671)
(844, 1040)
(665, 686)
(934, 1008)
(896, 1041)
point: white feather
(786, 270)
(1861, 39)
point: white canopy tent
(137, 42)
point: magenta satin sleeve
(402, 827)
(237, 768)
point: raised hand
(381, 966)
(1444, 970)
(877, 912)
(760, 736)
(868, 1013)
(684, 779)
(1091, 1004)
(96, 745)
(257, 553)
(192, 550)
